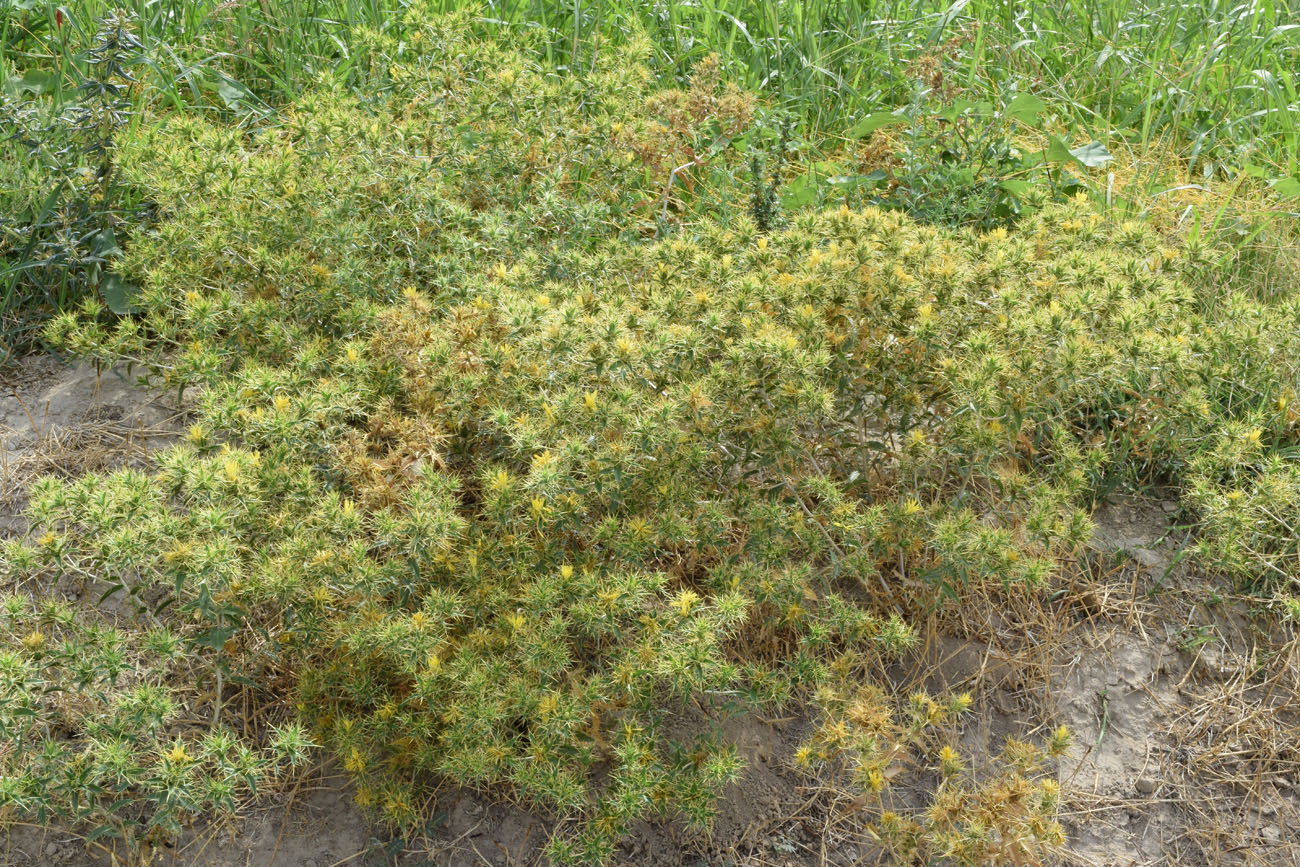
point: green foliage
(1211, 79)
(93, 730)
(489, 487)
(64, 204)
(765, 181)
(496, 524)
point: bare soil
(1183, 702)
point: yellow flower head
(949, 761)
(499, 481)
(1060, 741)
(685, 601)
(355, 762)
(179, 552)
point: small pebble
(1145, 785)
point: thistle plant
(490, 489)
(91, 717)
(1000, 812)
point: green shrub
(63, 202)
(490, 487)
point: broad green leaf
(118, 294)
(1026, 108)
(1093, 155)
(1058, 151)
(873, 122)
(852, 182)
(1286, 187)
(105, 245)
(230, 94)
(36, 82)
(799, 192)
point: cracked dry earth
(1184, 705)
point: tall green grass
(1214, 78)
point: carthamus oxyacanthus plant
(491, 488)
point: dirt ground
(1183, 703)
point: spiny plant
(684, 132)
(491, 489)
(1001, 812)
(766, 178)
(93, 727)
(552, 509)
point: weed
(60, 236)
(483, 488)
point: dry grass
(98, 443)
(1233, 772)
